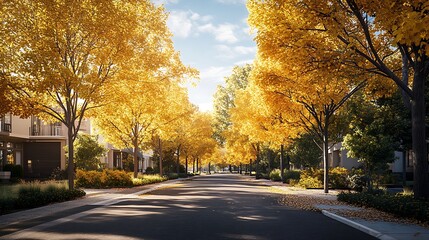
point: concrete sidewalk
(94, 198)
(381, 229)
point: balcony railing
(6, 127)
(46, 130)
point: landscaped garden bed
(404, 206)
(14, 197)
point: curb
(27, 231)
(358, 226)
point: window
(10, 157)
(29, 166)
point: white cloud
(243, 62)
(229, 52)
(232, 1)
(182, 23)
(222, 32)
(165, 2)
(203, 92)
(244, 50)
(215, 74)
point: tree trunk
(404, 168)
(325, 157)
(258, 159)
(241, 168)
(197, 165)
(281, 162)
(186, 164)
(250, 168)
(418, 110)
(209, 168)
(136, 159)
(70, 158)
(160, 156)
(178, 160)
(193, 165)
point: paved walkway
(94, 197)
(380, 229)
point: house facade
(39, 147)
(35, 145)
(338, 158)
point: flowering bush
(105, 179)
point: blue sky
(212, 36)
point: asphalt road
(208, 207)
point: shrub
(59, 174)
(149, 170)
(400, 205)
(115, 178)
(173, 176)
(357, 182)
(294, 182)
(311, 178)
(88, 179)
(338, 178)
(16, 171)
(275, 175)
(7, 203)
(310, 182)
(183, 175)
(143, 179)
(290, 175)
(38, 194)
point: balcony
(46, 130)
(6, 127)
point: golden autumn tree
(385, 39)
(178, 125)
(224, 99)
(200, 144)
(309, 99)
(253, 118)
(238, 149)
(136, 113)
(60, 56)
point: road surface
(221, 206)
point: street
(221, 206)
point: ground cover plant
(401, 205)
(143, 179)
(35, 194)
(115, 178)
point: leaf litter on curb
(310, 203)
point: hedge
(400, 205)
(116, 178)
(106, 179)
(36, 194)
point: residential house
(40, 146)
(338, 158)
(32, 143)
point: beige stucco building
(39, 147)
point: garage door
(40, 159)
